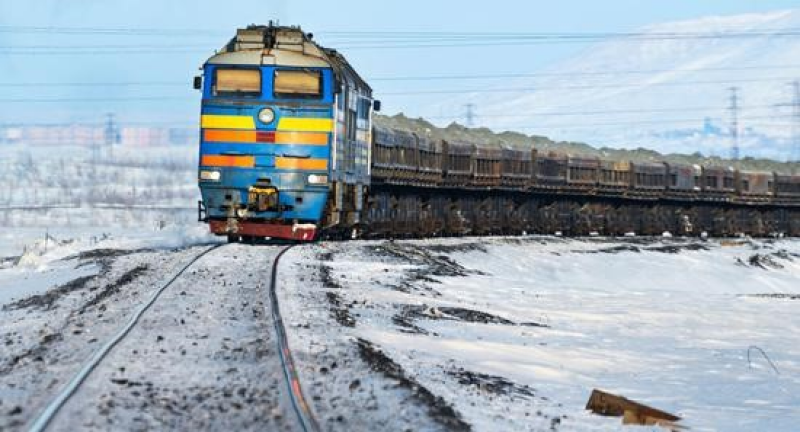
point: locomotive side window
(237, 82)
(298, 84)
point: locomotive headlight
(266, 115)
(210, 175)
(318, 179)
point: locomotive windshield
(237, 82)
(298, 84)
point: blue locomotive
(285, 133)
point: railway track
(305, 419)
(302, 409)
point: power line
(529, 114)
(96, 84)
(580, 125)
(416, 39)
(392, 33)
(427, 34)
(584, 125)
(50, 47)
(96, 124)
(103, 99)
(456, 36)
(579, 87)
(108, 31)
(608, 111)
(458, 77)
(166, 50)
(576, 73)
(422, 41)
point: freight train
(288, 150)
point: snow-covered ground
(34, 260)
(63, 197)
(442, 334)
(514, 333)
(202, 358)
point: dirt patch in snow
(325, 275)
(6, 262)
(114, 287)
(764, 262)
(775, 296)
(768, 261)
(409, 313)
(428, 263)
(433, 263)
(47, 300)
(405, 323)
(107, 253)
(496, 386)
(339, 310)
(101, 257)
(327, 278)
(677, 248)
(612, 250)
(668, 248)
(492, 384)
(456, 248)
(441, 411)
(34, 353)
(473, 316)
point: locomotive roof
(285, 46)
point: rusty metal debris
(632, 413)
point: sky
(165, 42)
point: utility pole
(794, 155)
(95, 156)
(469, 114)
(110, 134)
(734, 127)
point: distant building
(88, 135)
(144, 136)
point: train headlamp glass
(266, 115)
(210, 175)
(318, 179)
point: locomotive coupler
(263, 198)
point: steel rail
(302, 409)
(44, 419)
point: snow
(59, 201)
(345, 393)
(18, 283)
(42, 267)
(206, 346)
(671, 330)
(512, 333)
